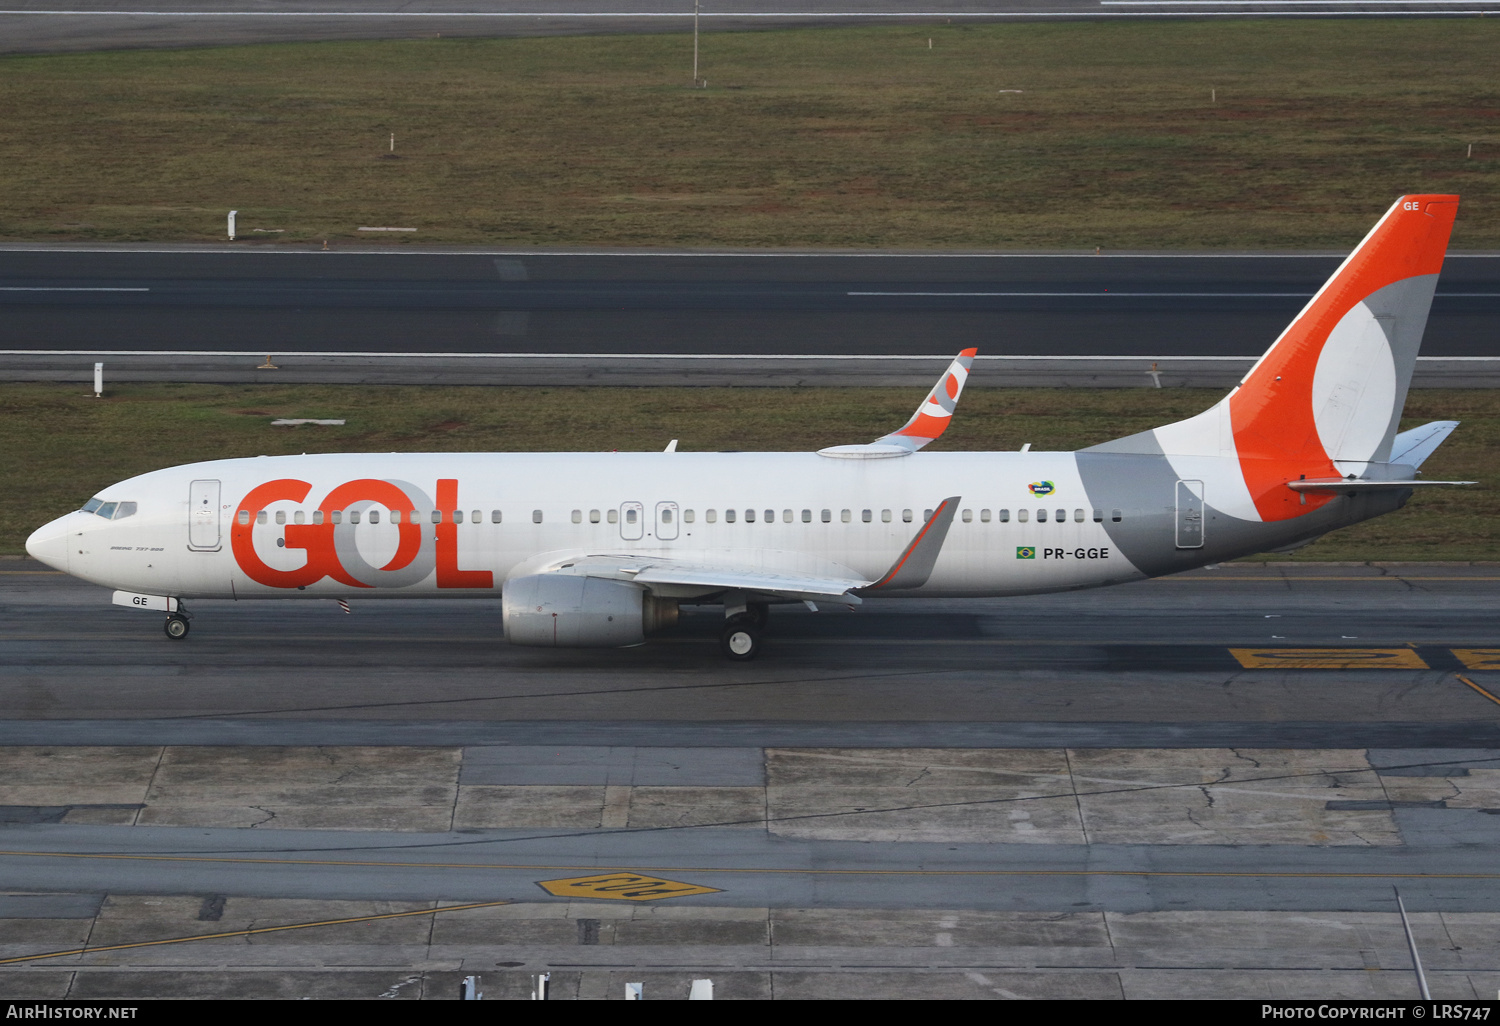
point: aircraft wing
(685, 578)
(792, 586)
(678, 578)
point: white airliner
(601, 549)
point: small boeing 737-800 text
(601, 549)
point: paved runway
(263, 300)
(1143, 664)
(1165, 789)
(39, 26)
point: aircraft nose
(49, 543)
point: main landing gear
(741, 638)
(177, 623)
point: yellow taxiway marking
(1328, 659)
(247, 933)
(745, 870)
(1477, 688)
(621, 887)
(1478, 658)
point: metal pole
(1411, 945)
(695, 41)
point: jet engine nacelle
(564, 611)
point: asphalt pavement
(265, 300)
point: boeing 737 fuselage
(601, 549)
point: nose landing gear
(177, 623)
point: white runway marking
(29, 288)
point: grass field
(59, 445)
(1023, 135)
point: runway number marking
(1478, 658)
(621, 887)
(1328, 659)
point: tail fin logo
(1327, 397)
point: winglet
(915, 565)
(926, 425)
(932, 417)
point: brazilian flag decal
(1025, 552)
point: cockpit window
(109, 510)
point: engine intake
(564, 611)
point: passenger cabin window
(494, 516)
(374, 516)
(1004, 515)
(770, 516)
(1062, 516)
(337, 516)
(614, 516)
(593, 516)
(578, 516)
(729, 516)
(968, 516)
(749, 516)
(712, 516)
(281, 517)
(885, 516)
(477, 517)
(536, 516)
(827, 516)
(807, 516)
(845, 515)
(984, 516)
(317, 516)
(926, 515)
(1115, 516)
(630, 517)
(688, 516)
(1041, 516)
(353, 516)
(458, 516)
(1022, 516)
(867, 515)
(1098, 516)
(786, 516)
(1078, 516)
(437, 516)
(260, 517)
(244, 516)
(906, 516)
(666, 516)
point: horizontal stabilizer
(1413, 447)
(1344, 484)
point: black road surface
(618, 303)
